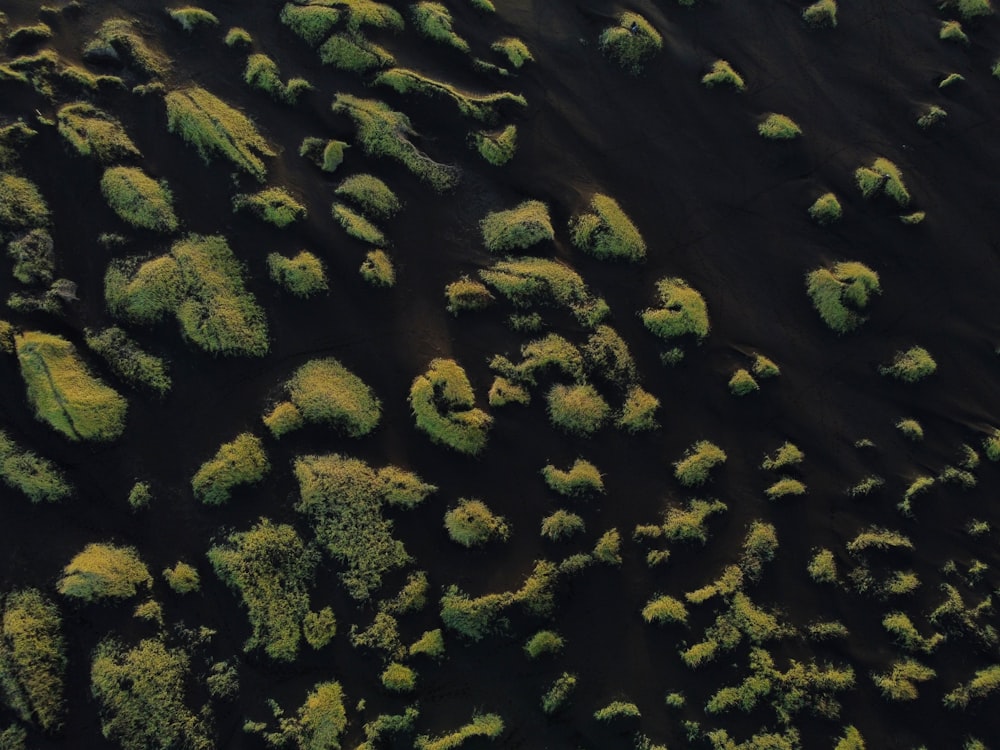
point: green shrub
(104, 570)
(473, 618)
(182, 578)
(631, 43)
(38, 478)
(353, 53)
(214, 128)
(742, 383)
(312, 23)
(319, 722)
(882, 176)
(128, 361)
(370, 194)
(784, 487)
(262, 73)
(466, 294)
(682, 311)
(607, 232)
(557, 696)
(398, 678)
(528, 280)
(914, 364)
(617, 710)
(911, 429)
(991, 444)
(823, 567)
(969, 9)
(577, 409)
(638, 411)
(582, 479)
(325, 154)
(273, 205)
(759, 547)
(238, 38)
(826, 210)
(119, 38)
(607, 549)
(516, 51)
(878, 538)
(323, 391)
(822, 13)
(504, 392)
(932, 116)
(94, 132)
(23, 35)
(663, 608)
(787, 455)
(477, 106)
(950, 80)
(517, 229)
(64, 393)
(140, 496)
(951, 31)
(433, 21)
(33, 256)
(496, 147)
(21, 204)
(723, 74)
(241, 461)
(693, 468)
(381, 635)
(431, 644)
(191, 18)
(906, 636)
(561, 524)
(443, 403)
(607, 355)
(777, 127)
(543, 642)
(358, 226)
(985, 682)
(482, 725)
(472, 524)
(302, 275)
(914, 218)
(377, 269)
(899, 684)
(840, 293)
(688, 525)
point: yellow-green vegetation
(476, 106)
(443, 403)
(23, 35)
(399, 678)
(37, 477)
(577, 409)
(984, 683)
(270, 568)
(682, 311)
(140, 496)
(191, 18)
(238, 38)
(214, 128)
(325, 154)
(149, 610)
(481, 725)
(358, 226)
(94, 132)
(687, 524)
(582, 479)
(914, 364)
(723, 74)
(384, 132)
(882, 177)
(33, 659)
(558, 695)
(950, 80)
(991, 445)
(377, 269)
(13, 137)
(543, 642)
(788, 454)
(951, 31)
(318, 724)
(431, 644)
(516, 51)
(785, 487)
(182, 578)
(303, 274)
(913, 218)
(262, 73)
(931, 116)
(518, 228)
(274, 205)
(353, 53)
(528, 280)
(312, 22)
(201, 283)
(606, 232)
(549, 352)
(120, 39)
(842, 293)
(821, 14)
(742, 383)
(969, 9)
(698, 461)
(662, 608)
(561, 524)
(238, 462)
(496, 147)
(466, 294)
(911, 429)
(900, 682)
(875, 537)
(104, 570)
(917, 487)
(906, 635)
(776, 127)
(471, 523)
(128, 360)
(826, 209)
(412, 597)
(823, 567)
(504, 392)
(21, 204)
(319, 628)
(344, 497)
(631, 43)
(433, 20)
(370, 194)
(617, 711)
(141, 695)
(607, 549)
(484, 5)
(638, 411)
(64, 393)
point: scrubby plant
(638, 412)
(932, 116)
(104, 570)
(914, 364)
(311, 22)
(21, 203)
(906, 636)
(561, 524)
(38, 478)
(543, 642)
(784, 487)
(951, 31)
(788, 454)
(984, 683)
(471, 523)
(663, 609)
(239, 462)
(606, 232)
(274, 205)
(399, 678)
(128, 361)
(358, 226)
(466, 294)
(742, 383)
(580, 480)
(607, 549)
(841, 293)
(991, 445)
(443, 403)
(577, 409)
(325, 154)
(723, 74)
(434, 21)
(900, 682)
(182, 578)
(969, 9)
(34, 257)
(140, 496)
(377, 269)
(911, 429)
(238, 38)
(617, 711)
(370, 194)
(191, 18)
(826, 209)
(558, 694)
(529, 280)
(764, 367)
(882, 177)
(516, 51)
(94, 132)
(878, 538)
(319, 722)
(759, 547)
(496, 147)
(431, 644)
(481, 725)
(303, 274)
(477, 106)
(693, 468)
(353, 53)
(823, 567)
(518, 228)
(120, 39)
(822, 13)
(950, 80)
(382, 635)
(262, 73)
(776, 127)
(504, 392)
(631, 43)
(682, 311)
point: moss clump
(128, 360)
(882, 177)
(911, 429)
(504, 392)
(558, 695)
(262, 73)
(561, 524)
(840, 293)
(543, 642)
(825, 210)
(375, 199)
(607, 232)
(38, 478)
(104, 570)
(325, 154)
(631, 43)
(482, 725)
(431, 644)
(950, 80)
(140, 495)
(822, 567)
(471, 523)
(118, 39)
(21, 204)
(821, 14)
(283, 418)
(182, 578)
(443, 403)
(358, 226)
(353, 53)
(914, 364)
(64, 393)
(238, 38)
(661, 609)
(302, 275)
(477, 106)
(319, 722)
(638, 413)
(582, 479)
(784, 487)
(319, 628)
(777, 127)
(900, 682)
(517, 229)
(214, 128)
(94, 132)
(693, 469)
(377, 269)
(139, 199)
(577, 409)
(433, 21)
(516, 51)
(788, 454)
(682, 311)
(496, 147)
(312, 23)
(617, 710)
(238, 462)
(723, 74)
(951, 31)
(191, 18)
(398, 678)
(24, 35)
(274, 205)
(466, 294)
(607, 549)
(933, 115)
(742, 383)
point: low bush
(431, 644)
(94, 132)
(398, 678)
(606, 232)
(38, 478)
(900, 682)
(377, 269)
(841, 293)
(693, 468)
(477, 106)
(128, 360)
(969, 9)
(34, 257)
(238, 38)
(682, 311)
(516, 51)
(617, 710)
(273, 205)
(606, 354)
(631, 43)
(471, 523)
(543, 642)
(325, 154)
(951, 31)
(723, 74)
(558, 695)
(239, 462)
(991, 445)
(821, 14)
(777, 127)
(104, 570)
(950, 80)
(561, 524)
(548, 352)
(823, 567)
(433, 20)
(443, 403)
(577, 409)
(582, 479)
(931, 116)
(353, 53)
(911, 429)
(191, 18)
(517, 229)
(607, 549)
(742, 383)
(914, 364)
(262, 73)
(358, 226)
(182, 578)
(878, 538)
(882, 177)
(312, 23)
(370, 194)
(319, 722)
(466, 294)
(906, 635)
(21, 204)
(663, 609)
(140, 496)
(638, 412)
(787, 455)
(120, 39)
(496, 147)
(473, 618)
(325, 392)
(303, 274)
(784, 487)
(826, 209)
(482, 725)
(984, 683)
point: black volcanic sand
(718, 206)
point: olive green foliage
(118, 38)
(381, 635)
(466, 294)
(826, 209)
(931, 116)
(21, 204)
(991, 445)
(14, 136)
(319, 628)
(343, 497)
(325, 154)
(788, 454)
(784, 487)
(128, 360)
(412, 597)
(951, 31)
(64, 393)
(471, 523)
(94, 132)
(141, 695)
(377, 269)
(606, 232)
(318, 724)
(270, 568)
(543, 642)
(950, 80)
(37, 477)
(914, 364)
(561, 524)
(191, 18)
(431, 644)
(238, 462)
(911, 429)
(481, 725)
(358, 226)
(353, 53)
(274, 205)
(443, 403)
(577, 409)
(617, 710)
(27, 34)
(516, 51)
(303, 274)
(140, 495)
(370, 194)
(777, 127)
(504, 391)
(631, 43)
(878, 538)
(682, 311)
(607, 549)
(663, 608)
(433, 21)
(823, 567)
(262, 73)
(384, 132)
(742, 383)
(238, 38)
(723, 74)
(496, 147)
(548, 352)
(33, 659)
(477, 106)
(398, 678)
(518, 228)
(638, 411)
(984, 683)
(694, 467)
(900, 682)
(906, 635)
(312, 22)
(201, 283)
(104, 570)
(214, 128)
(582, 479)
(606, 354)
(528, 280)
(822, 13)
(182, 578)
(969, 9)
(557, 696)
(882, 177)
(841, 293)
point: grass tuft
(496, 147)
(471, 523)
(914, 364)
(377, 269)
(94, 132)
(357, 226)
(274, 205)
(577, 409)
(191, 18)
(840, 293)
(138, 199)
(882, 177)
(262, 73)
(302, 275)
(582, 479)
(723, 74)
(825, 210)
(127, 359)
(370, 194)
(682, 311)
(443, 403)
(241, 461)
(104, 570)
(36, 477)
(631, 43)
(325, 154)
(607, 232)
(433, 21)
(466, 294)
(21, 204)
(561, 524)
(516, 51)
(777, 127)
(742, 383)
(518, 228)
(951, 31)
(238, 38)
(821, 14)
(693, 468)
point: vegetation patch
(543, 642)
(693, 469)
(377, 269)
(826, 210)
(516, 51)
(120, 39)
(577, 409)
(882, 177)
(182, 578)
(128, 360)
(303, 274)
(477, 106)
(517, 229)
(841, 293)
(319, 722)
(631, 43)
(353, 53)
(723, 74)
(787, 455)
(191, 18)
(238, 462)
(466, 294)
(742, 383)
(274, 205)
(489, 726)
(433, 21)
(21, 203)
(375, 199)
(94, 132)
(638, 413)
(262, 73)
(471, 523)
(606, 232)
(443, 403)
(238, 38)
(558, 694)
(951, 31)
(582, 479)
(821, 14)
(682, 311)
(561, 524)
(138, 199)
(104, 570)
(785, 487)
(310, 21)
(914, 364)
(38, 478)
(496, 147)
(325, 154)
(775, 127)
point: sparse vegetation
(38, 478)
(303, 274)
(543, 642)
(693, 468)
(357, 226)
(138, 199)
(262, 73)
(631, 43)
(377, 269)
(104, 570)
(723, 74)
(742, 383)
(820, 14)
(826, 209)
(528, 280)
(561, 524)
(466, 294)
(370, 194)
(191, 18)
(914, 364)
(607, 232)
(951, 31)
(471, 523)
(94, 132)
(239, 462)
(682, 311)
(516, 51)
(823, 567)
(582, 479)
(443, 403)
(882, 177)
(558, 695)
(182, 578)
(21, 204)
(481, 725)
(273, 205)
(841, 293)
(664, 609)
(496, 147)
(777, 127)
(577, 409)
(784, 487)
(128, 361)
(325, 154)
(911, 429)
(517, 229)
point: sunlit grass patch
(785, 487)
(182, 578)
(911, 429)
(528, 280)
(543, 642)
(826, 209)
(377, 269)
(318, 723)
(561, 524)
(325, 154)
(104, 570)
(191, 18)
(311, 22)
(914, 364)
(607, 232)
(370, 194)
(518, 228)
(357, 226)
(496, 147)
(577, 409)
(353, 53)
(398, 678)
(128, 360)
(138, 199)
(822, 567)
(682, 311)
(742, 383)
(477, 106)
(638, 413)
(94, 132)
(36, 477)
(262, 73)
(882, 177)
(698, 461)
(24, 35)
(558, 694)
(969, 9)
(900, 682)
(664, 609)
(820, 14)
(302, 275)
(618, 711)
(840, 293)
(238, 462)
(481, 725)
(516, 51)
(119, 38)
(631, 43)
(433, 20)
(471, 523)
(238, 38)
(723, 74)
(443, 404)
(21, 203)
(777, 127)
(788, 454)
(34, 257)
(467, 294)
(274, 205)
(950, 80)
(951, 31)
